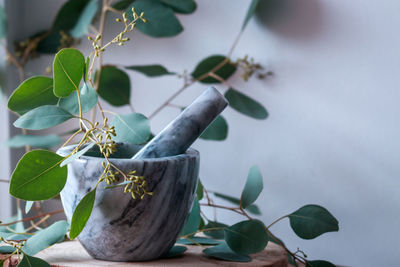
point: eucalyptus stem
(32, 218)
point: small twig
(33, 217)
(4, 181)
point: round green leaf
(29, 261)
(43, 117)
(253, 187)
(217, 130)
(208, 64)
(38, 141)
(245, 104)
(133, 128)
(247, 237)
(198, 240)
(223, 252)
(319, 263)
(199, 190)
(162, 21)
(82, 213)
(114, 86)
(68, 68)
(85, 19)
(32, 93)
(216, 233)
(46, 237)
(181, 6)
(89, 100)
(311, 221)
(38, 176)
(151, 70)
(193, 222)
(176, 251)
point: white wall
(332, 135)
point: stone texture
(121, 228)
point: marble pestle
(180, 134)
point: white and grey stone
(180, 134)
(121, 228)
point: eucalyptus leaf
(224, 252)
(43, 117)
(82, 213)
(250, 12)
(32, 93)
(68, 69)
(123, 4)
(181, 6)
(253, 187)
(38, 176)
(28, 206)
(38, 141)
(68, 15)
(50, 43)
(29, 261)
(85, 19)
(19, 226)
(3, 23)
(252, 208)
(133, 128)
(46, 237)
(198, 240)
(319, 263)
(151, 70)
(245, 105)
(193, 222)
(247, 237)
(6, 250)
(209, 64)
(76, 155)
(162, 21)
(89, 100)
(217, 130)
(199, 190)
(175, 251)
(311, 221)
(216, 230)
(114, 86)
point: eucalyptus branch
(4, 181)
(33, 217)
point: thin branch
(33, 217)
(4, 181)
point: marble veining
(180, 134)
(121, 228)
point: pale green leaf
(85, 19)
(77, 155)
(250, 12)
(43, 117)
(133, 128)
(89, 100)
(38, 141)
(253, 187)
(28, 206)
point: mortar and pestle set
(121, 228)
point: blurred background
(331, 137)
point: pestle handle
(181, 133)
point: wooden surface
(72, 254)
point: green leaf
(123, 4)
(162, 21)
(133, 128)
(77, 155)
(181, 6)
(38, 176)
(68, 15)
(245, 104)
(43, 117)
(198, 240)
(29, 261)
(19, 226)
(46, 237)
(252, 208)
(3, 23)
(217, 130)
(319, 263)
(193, 222)
(38, 141)
(114, 86)
(223, 252)
(6, 250)
(82, 213)
(175, 251)
(253, 187)
(28, 206)
(50, 44)
(217, 233)
(209, 64)
(247, 237)
(250, 12)
(85, 19)
(68, 68)
(311, 221)
(89, 100)
(32, 93)
(199, 190)
(151, 70)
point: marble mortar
(121, 228)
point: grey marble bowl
(121, 228)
